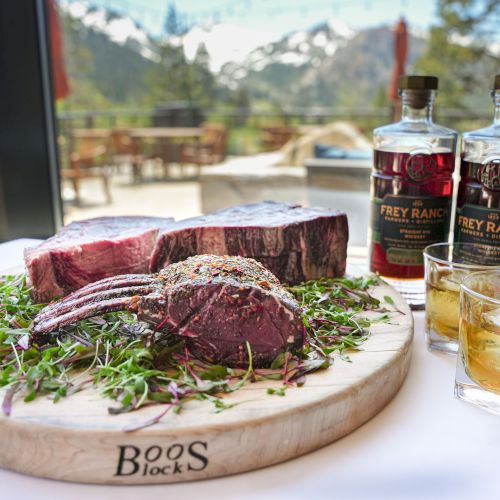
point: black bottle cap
(417, 82)
(496, 83)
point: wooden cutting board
(77, 440)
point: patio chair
(275, 137)
(126, 151)
(166, 152)
(211, 149)
(89, 161)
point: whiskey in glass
(446, 266)
(478, 366)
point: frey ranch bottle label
(411, 207)
(404, 225)
(478, 209)
(477, 224)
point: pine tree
(204, 81)
(175, 78)
(459, 48)
(174, 25)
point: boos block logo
(159, 460)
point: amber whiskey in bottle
(411, 189)
(478, 202)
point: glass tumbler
(446, 266)
(478, 366)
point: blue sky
(278, 16)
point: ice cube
(451, 282)
(491, 320)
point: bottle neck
(416, 106)
(418, 115)
(496, 100)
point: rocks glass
(446, 266)
(478, 366)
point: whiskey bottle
(411, 189)
(478, 202)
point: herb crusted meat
(223, 306)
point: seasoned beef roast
(217, 303)
(293, 242)
(88, 250)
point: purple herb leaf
(7, 400)
(112, 410)
(147, 423)
(24, 342)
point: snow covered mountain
(124, 30)
(297, 49)
(120, 29)
(325, 65)
(230, 47)
(225, 43)
(233, 48)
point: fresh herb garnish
(278, 391)
(130, 363)
(331, 313)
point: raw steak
(89, 250)
(295, 243)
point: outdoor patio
(238, 180)
(173, 198)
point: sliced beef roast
(89, 250)
(295, 243)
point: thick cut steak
(221, 305)
(89, 250)
(293, 242)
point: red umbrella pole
(400, 54)
(59, 76)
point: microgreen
(135, 366)
(332, 308)
(278, 391)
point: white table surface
(424, 444)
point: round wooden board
(77, 440)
